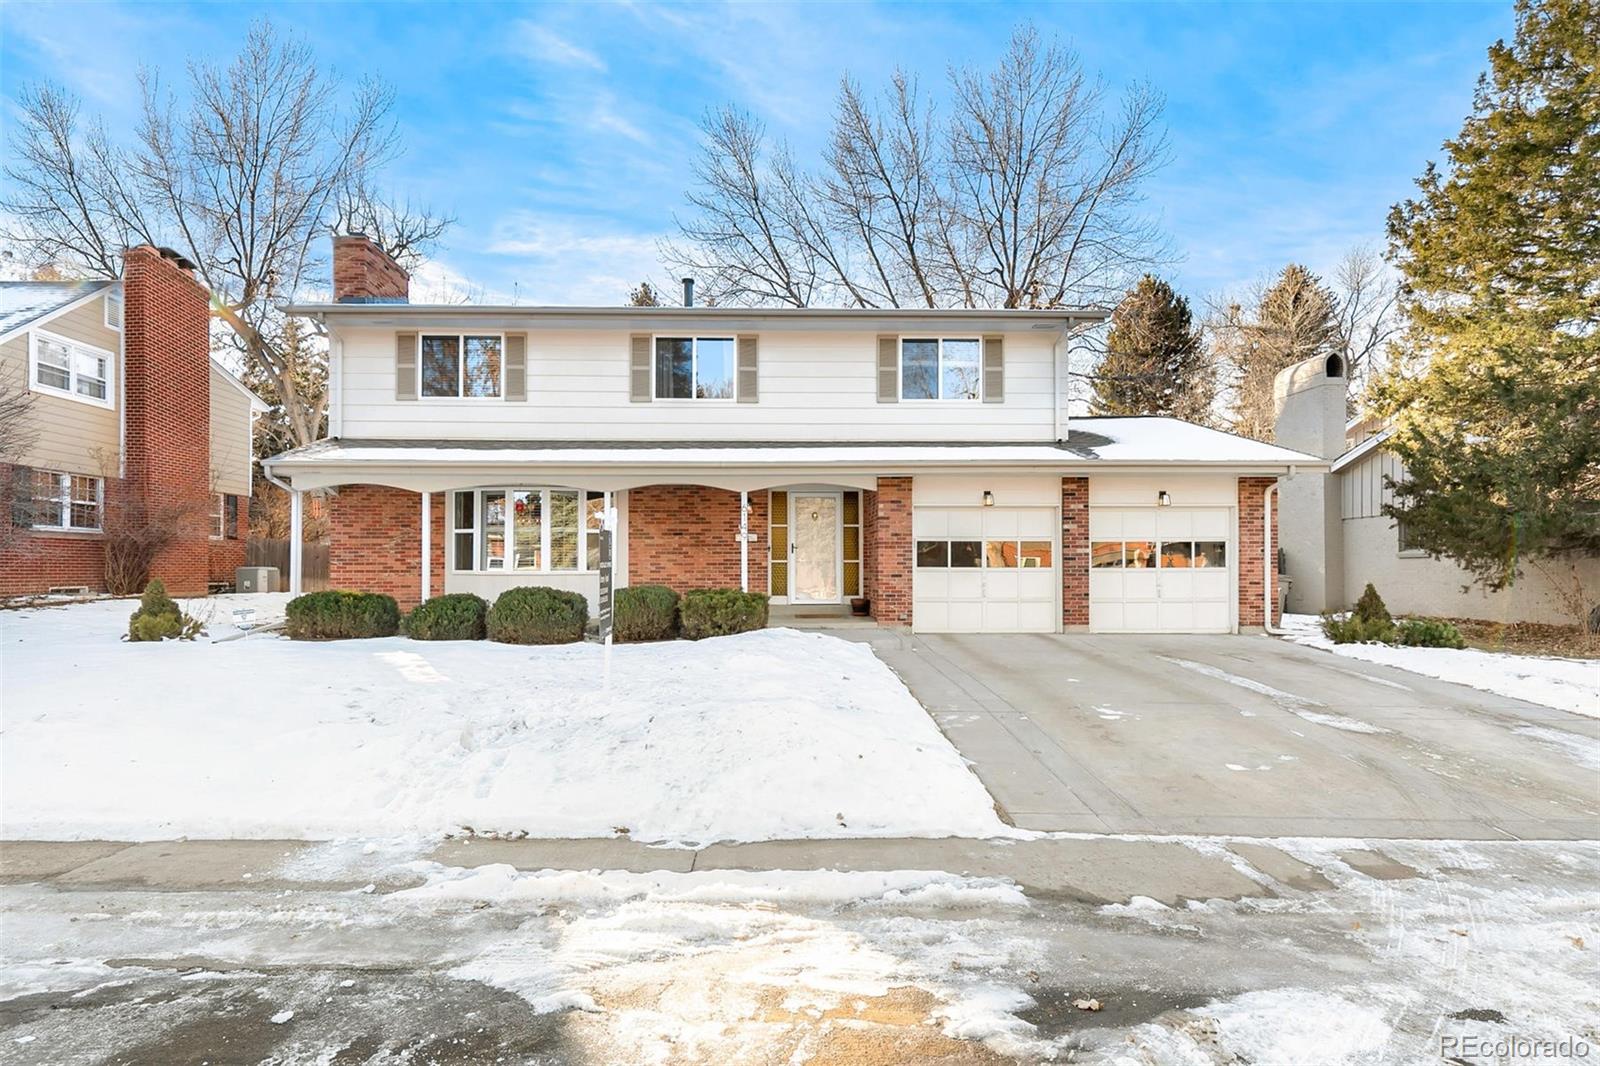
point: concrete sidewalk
(1091, 870)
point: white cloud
(545, 45)
(556, 260)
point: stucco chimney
(1309, 399)
(365, 273)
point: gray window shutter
(888, 369)
(639, 368)
(994, 370)
(22, 496)
(749, 390)
(516, 366)
(405, 366)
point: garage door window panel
(1106, 555)
(966, 554)
(1139, 554)
(1208, 553)
(1000, 554)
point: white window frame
(694, 368)
(71, 391)
(219, 516)
(900, 370)
(110, 298)
(461, 367)
(64, 497)
(510, 569)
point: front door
(815, 542)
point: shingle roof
(22, 302)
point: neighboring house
(129, 416)
(919, 459)
(1336, 538)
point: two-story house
(920, 459)
(127, 419)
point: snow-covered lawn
(1565, 684)
(768, 735)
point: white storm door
(814, 532)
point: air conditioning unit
(256, 579)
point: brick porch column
(1074, 553)
(1252, 490)
(375, 542)
(891, 552)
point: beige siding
(230, 436)
(71, 436)
(814, 385)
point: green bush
(458, 616)
(1370, 609)
(158, 617)
(644, 612)
(1428, 633)
(1349, 629)
(340, 615)
(537, 615)
(719, 612)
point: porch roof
(1093, 445)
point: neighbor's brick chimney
(167, 395)
(365, 273)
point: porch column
(427, 546)
(296, 535)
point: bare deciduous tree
(244, 176)
(18, 432)
(1368, 310)
(1029, 194)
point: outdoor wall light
(988, 498)
(1163, 498)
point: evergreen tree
(644, 295)
(1294, 318)
(1155, 361)
(1495, 402)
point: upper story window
(461, 365)
(948, 368)
(694, 368)
(66, 501)
(113, 308)
(66, 368)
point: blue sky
(561, 135)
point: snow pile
(775, 734)
(1565, 684)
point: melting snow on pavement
(773, 734)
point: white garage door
(1160, 570)
(985, 569)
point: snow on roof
(1138, 441)
(22, 302)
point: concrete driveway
(1246, 735)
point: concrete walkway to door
(1245, 735)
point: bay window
(526, 530)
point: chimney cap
(176, 256)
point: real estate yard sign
(605, 586)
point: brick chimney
(166, 386)
(365, 273)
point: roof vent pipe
(688, 292)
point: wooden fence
(313, 561)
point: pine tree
(1155, 361)
(1295, 318)
(1496, 414)
(644, 295)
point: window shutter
(405, 366)
(516, 366)
(231, 502)
(994, 369)
(22, 497)
(749, 376)
(639, 368)
(888, 369)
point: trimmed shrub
(458, 616)
(720, 612)
(538, 615)
(158, 617)
(339, 615)
(1349, 629)
(1370, 609)
(644, 612)
(1428, 633)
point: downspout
(1269, 565)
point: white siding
(1363, 489)
(813, 386)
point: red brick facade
(375, 542)
(37, 562)
(226, 554)
(1252, 490)
(686, 537)
(1075, 553)
(363, 271)
(890, 548)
